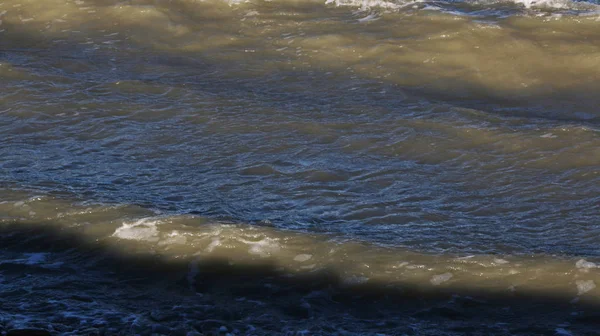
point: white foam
(465, 258)
(213, 244)
(142, 230)
(584, 286)
(302, 257)
(366, 4)
(174, 238)
(500, 261)
(370, 17)
(430, 5)
(415, 267)
(438, 279)
(543, 3)
(582, 263)
(264, 247)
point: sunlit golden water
(442, 155)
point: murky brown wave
(95, 269)
(265, 167)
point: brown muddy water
(300, 167)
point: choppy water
(300, 167)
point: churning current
(445, 152)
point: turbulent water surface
(299, 167)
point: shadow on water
(106, 288)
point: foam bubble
(364, 5)
(543, 3)
(440, 278)
(582, 263)
(302, 257)
(584, 286)
(264, 247)
(213, 244)
(174, 238)
(370, 17)
(142, 230)
(415, 267)
(500, 261)
(465, 258)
